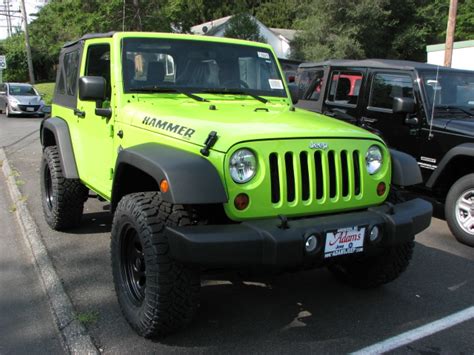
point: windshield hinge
(209, 143)
(111, 131)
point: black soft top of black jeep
(373, 63)
(90, 36)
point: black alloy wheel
(133, 264)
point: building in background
(278, 38)
(463, 54)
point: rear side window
(66, 80)
(386, 86)
(305, 78)
(345, 87)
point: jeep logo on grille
(315, 145)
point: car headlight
(243, 166)
(13, 102)
(373, 159)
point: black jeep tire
(459, 209)
(157, 294)
(62, 199)
(373, 271)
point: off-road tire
(463, 187)
(62, 199)
(373, 271)
(157, 294)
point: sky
(32, 6)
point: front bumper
(266, 243)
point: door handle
(79, 113)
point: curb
(73, 333)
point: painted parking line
(418, 333)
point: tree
(243, 26)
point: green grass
(88, 318)
(47, 89)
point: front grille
(25, 108)
(320, 175)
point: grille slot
(304, 176)
(332, 174)
(275, 183)
(290, 177)
(344, 174)
(355, 159)
(318, 167)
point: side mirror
(294, 92)
(92, 88)
(403, 105)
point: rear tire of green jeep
(459, 210)
(62, 199)
(373, 271)
(157, 294)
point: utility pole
(27, 43)
(448, 52)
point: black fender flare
(192, 179)
(405, 169)
(465, 149)
(60, 129)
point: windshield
(154, 64)
(22, 90)
(450, 91)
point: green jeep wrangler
(207, 165)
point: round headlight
(373, 159)
(242, 166)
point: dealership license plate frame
(343, 241)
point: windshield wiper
(235, 92)
(168, 90)
(452, 107)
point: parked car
(20, 99)
(420, 109)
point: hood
(463, 126)
(234, 120)
(28, 99)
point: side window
(386, 86)
(344, 87)
(314, 91)
(71, 66)
(66, 81)
(98, 63)
(304, 78)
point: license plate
(344, 241)
(30, 109)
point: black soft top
(375, 63)
(90, 36)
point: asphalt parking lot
(305, 312)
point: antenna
(430, 134)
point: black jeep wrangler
(421, 109)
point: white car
(20, 99)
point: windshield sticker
(166, 126)
(263, 55)
(275, 84)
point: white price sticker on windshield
(263, 55)
(275, 84)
